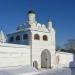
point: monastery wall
(14, 55)
(65, 59)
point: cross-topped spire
(2, 36)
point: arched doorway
(35, 64)
(45, 59)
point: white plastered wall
(14, 55)
(66, 59)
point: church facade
(32, 44)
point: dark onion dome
(31, 11)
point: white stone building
(32, 44)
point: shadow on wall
(72, 65)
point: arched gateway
(45, 59)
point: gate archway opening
(45, 59)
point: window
(25, 36)
(57, 59)
(37, 37)
(17, 38)
(35, 64)
(45, 38)
(11, 39)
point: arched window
(36, 37)
(11, 39)
(35, 64)
(45, 38)
(25, 36)
(17, 38)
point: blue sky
(61, 12)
